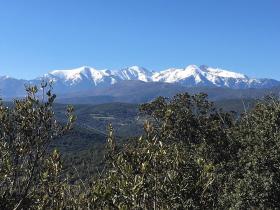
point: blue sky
(37, 36)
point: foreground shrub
(196, 157)
(26, 168)
(253, 178)
(172, 166)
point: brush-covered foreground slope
(86, 142)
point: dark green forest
(183, 152)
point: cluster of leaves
(192, 156)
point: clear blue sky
(37, 36)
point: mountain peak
(134, 73)
(192, 66)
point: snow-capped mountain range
(191, 76)
(86, 78)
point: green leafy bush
(26, 130)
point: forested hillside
(190, 154)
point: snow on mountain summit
(193, 75)
(84, 71)
(135, 73)
(83, 74)
(86, 77)
(175, 75)
(224, 73)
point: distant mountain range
(191, 76)
(137, 84)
